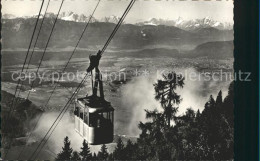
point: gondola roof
(95, 104)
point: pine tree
(66, 152)
(103, 154)
(209, 105)
(85, 152)
(119, 151)
(228, 106)
(219, 100)
(198, 114)
(129, 150)
(75, 156)
(166, 93)
(211, 101)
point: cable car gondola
(94, 116)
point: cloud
(64, 128)
(138, 95)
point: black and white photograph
(118, 80)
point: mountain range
(189, 24)
(179, 22)
(16, 33)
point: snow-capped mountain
(188, 24)
(67, 16)
(48, 15)
(110, 19)
(71, 16)
(155, 22)
(181, 23)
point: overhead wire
(71, 55)
(28, 64)
(61, 113)
(118, 25)
(19, 80)
(27, 53)
(73, 52)
(40, 60)
(46, 47)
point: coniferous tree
(219, 100)
(85, 152)
(130, 150)
(103, 154)
(198, 114)
(166, 93)
(75, 156)
(119, 150)
(228, 105)
(66, 152)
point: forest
(195, 135)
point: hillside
(215, 50)
(17, 32)
(18, 124)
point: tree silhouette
(165, 93)
(66, 152)
(219, 100)
(130, 150)
(156, 127)
(85, 152)
(103, 154)
(119, 150)
(198, 114)
(228, 105)
(75, 156)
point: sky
(142, 10)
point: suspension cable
(67, 63)
(46, 46)
(72, 52)
(12, 105)
(65, 108)
(118, 25)
(61, 113)
(72, 97)
(35, 43)
(35, 26)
